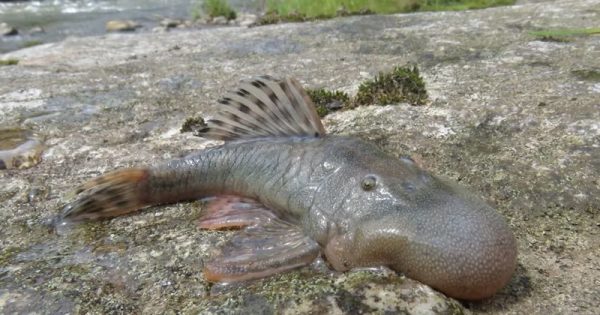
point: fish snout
(463, 249)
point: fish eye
(368, 183)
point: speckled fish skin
(362, 207)
(431, 230)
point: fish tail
(110, 195)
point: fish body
(296, 192)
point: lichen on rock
(512, 117)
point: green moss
(31, 43)
(402, 84)
(327, 101)
(280, 10)
(214, 8)
(563, 35)
(352, 304)
(273, 17)
(460, 5)
(587, 74)
(276, 292)
(299, 282)
(90, 232)
(7, 254)
(193, 124)
(454, 308)
(9, 62)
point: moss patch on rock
(563, 35)
(274, 17)
(193, 124)
(306, 10)
(215, 8)
(7, 254)
(9, 62)
(31, 43)
(327, 101)
(587, 74)
(402, 84)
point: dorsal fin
(265, 107)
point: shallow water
(63, 18)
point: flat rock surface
(515, 118)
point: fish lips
(457, 244)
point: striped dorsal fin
(265, 107)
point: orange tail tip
(109, 195)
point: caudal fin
(109, 195)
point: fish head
(432, 230)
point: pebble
(19, 148)
(121, 26)
(219, 20)
(170, 23)
(7, 30)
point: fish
(293, 193)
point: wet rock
(246, 19)
(219, 20)
(121, 26)
(36, 30)
(19, 148)
(159, 29)
(171, 23)
(7, 30)
(510, 116)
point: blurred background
(29, 23)
(35, 22)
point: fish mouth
(462, 248)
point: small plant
(311, 9)
(402, 84)
(9, 62)
(193, 124)
(459, 5)
(587, 74)
(31, 43)
(214, 8)
(563, 35)
(327, 101)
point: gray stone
(7, 30)
(221, 20)
(513, 117)
(121, 26)
(245, 19)
(171, 23)
(36, 30)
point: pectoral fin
(266, 246)
(234, 212)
